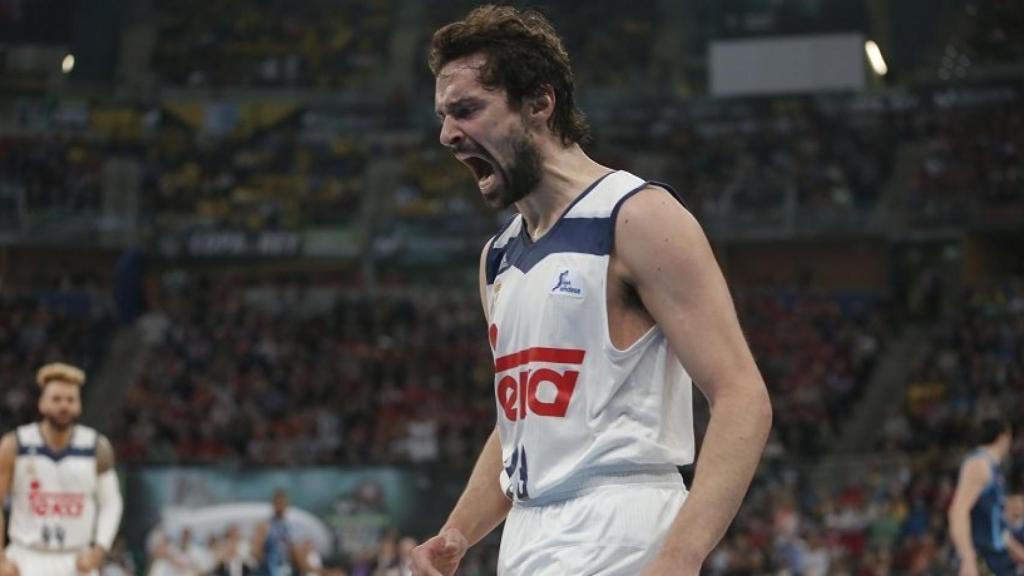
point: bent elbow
(763, 410)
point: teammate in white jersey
(602, 298)
(65, 499)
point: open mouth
(482, 170)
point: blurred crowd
(997, 34)
(816, 351)
(273, 43)
(49, 173)
(887, 515)
(928, 158)
(294, 373)
(280, 179)
(970, 158)
(277, 373)
(783, 157)
(69, 324)
(972, 367)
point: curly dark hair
(523, 53)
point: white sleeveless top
(53, 497)
(573, 410)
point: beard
(60, 424)
(522, 174)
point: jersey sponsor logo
(565, 286)
(57, 504)
(543, 391)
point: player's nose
(450, 132)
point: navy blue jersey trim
(56, 456)
(525, 235)
(494, 255)
(575, 235)
(519, 250)
(675, 193)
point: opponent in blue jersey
(977, 526)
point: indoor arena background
(236, 216)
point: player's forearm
(960, 534)
(732, 448)
(482, 505)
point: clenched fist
(440, 555)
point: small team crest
(567, 283)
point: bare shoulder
(8, 451)
(653, 212)
(8, 444)
(653, 227)
(104, 454)
(977, 469)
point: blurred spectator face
(280, 503)
(60, 403)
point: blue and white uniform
(53, 504)
(277, 549)
(591, 435)
(988, 525)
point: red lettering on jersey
(62, 504)
(519, 396)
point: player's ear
(540, 106)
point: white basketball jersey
(53, 498)
(572, 406)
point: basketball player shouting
(603, 299)
(65, 499)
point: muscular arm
(8, 451)
(108, 495)
(482, 505)
(974, 475)
(104, 456)
(663, 254)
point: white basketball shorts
(32, 562)
(613, 530)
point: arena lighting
(875, 57)
(68, 64)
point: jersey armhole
(618, 204)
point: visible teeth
(486, 181)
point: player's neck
(565, 173)
(994, 452)
(56, 438)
